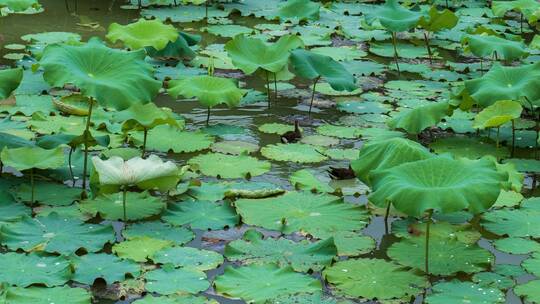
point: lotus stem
(521, 22)
(71, 167)
(313, 95)
(446, 3)
(497, 144)
(275, 88)
(86, 132)
(32, 185)
(428, 224)
(206, 11)
(395, 52)
(386, 215)
(513, 137)
(481, 66)
(267, 88)
(145, 136)
(140, 4)
(426, 40)
(208, 117)
(124, 195)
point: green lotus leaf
(260, 283)
(342, 154)
(393, 16)
(108, 267)
(385, 154)
(526, 7)
(415, 120)
(506, 83)
(41, 295)
(493, 280)
(301, 256)
(276, 128)
(498, 114)
(147, 115)
(20, 5)
(318, 215)
(353, 243)
(297, 152)
(146, 174)
(251, 54)
(12, 141)
(438, 20)
(530, 291)
(159, 231)
(23, 270)
(113, 77)
(446, 256)
(487, 46)
(172, 281)
(459, 292)
(189, 257)
(364, 107)
(181, 48)
(468, 147)
(516, 245)
(320, 140)
(310, 65)
(406, 50)
(52, 194)
(229, 166)
(139, 249)
(339, 131)
(234, 147)
(514, 223)
(252, 189)
(438, 183)
(51, 37)
(299, 10)
(55, 234)
(143, 33)
(228, 30)
(305, 180)
(208, 90)
(369, 279)
(10, 80)
(201, 215)
(25, 158)
(411, 229)
(165, 138)
(175, 299)
(187, 13)
(341, 53)
(10, 210)
(109, 206)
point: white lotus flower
(147, 173)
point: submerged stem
(313, 95)
(395, 52)
(208, 117)
(386, 215)
(86, 132)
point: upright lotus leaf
(491, 46)
(19, 5)
(34, 157)
(143, 33)
(115, 78)
(9, 81)
(208, 90)
(181, 48)
(385, 154)
(393, 16)
(440, 184)
(261, 283)
(506, 83)
(417, 119)
(299, 10)
(250, 54)
(436, 20)
(498, 114)
(526, 7)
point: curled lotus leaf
(498, 114)
(9, 81)
(487, 46)
(25, 158)
(393, 16)
(299, 10)
(143, 33)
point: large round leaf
(297, 152)
(311, 65)
(168, 281)
(139, 249)
(259, 283)
(419, 118)
(438, 183)
(189, 257)
(251, 54)
(165, 138)
(143, 33)
(108, 267)
(148, 116)
(464, 292)
(24, 270)
(498, 114)
(41, 295)
(9, 81)
(208, 90)
(299, 10)
(393, 16)
(201, 215)
(229, 166)
(436, 21)
(160, 231)
(110, 206)
(514, 223)
(113, 77)
(487, 46)
(25, 158)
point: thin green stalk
(428, 224)
(32, 185)
(140, 4)
(267, 88)
(71, 167)
(313, 95)
(497, 144)
(208, 117)
(206, 11)
(124, 195)
(145, 137)
(386, 216)
(394, 43)
(521, 22)
(513, 138)
(86, 132)
(275, 88)
(426, 40)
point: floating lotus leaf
(305, 180)
(489, 46)
(234, 147)
(260, 283)
(139, 249)
(318, 215)
(175, 299)
(468, 147)
(446, 256)
(10, 80)
(460, 292)
(498, 114)
(51, 37)
(108, 267)
(438, 183)
(228, 30)
(369, 279)
(49, 193)
(526, 7)
(415, 120)
(208, 90)
(380, 155)
(187, 13)
(393, 16)
(147, 115)
(493, 280)
(23, 270)
(516, 245)
(341, 53)
(530, 291)
(10, 210)
(339, 131)
(25, 158)
(55, 234)
(438, 20)
(251, 54)
(297, 152)
(364, 107)
(411, 229)
(506, 83)
(201, 215)
(41, 295)
(514, 223)
(167, 138)
(319, 140)
(113, 77)
(301, 256)
(342, 154)
(406, 50)
(299, 10)
(229, 166)
(171, 281)
(143, 33)
(252, 189)
(110, 206)
(189, 257)
(159, 231)
(275, 128)
(353, 243)
(146, 174)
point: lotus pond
(277, 151)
